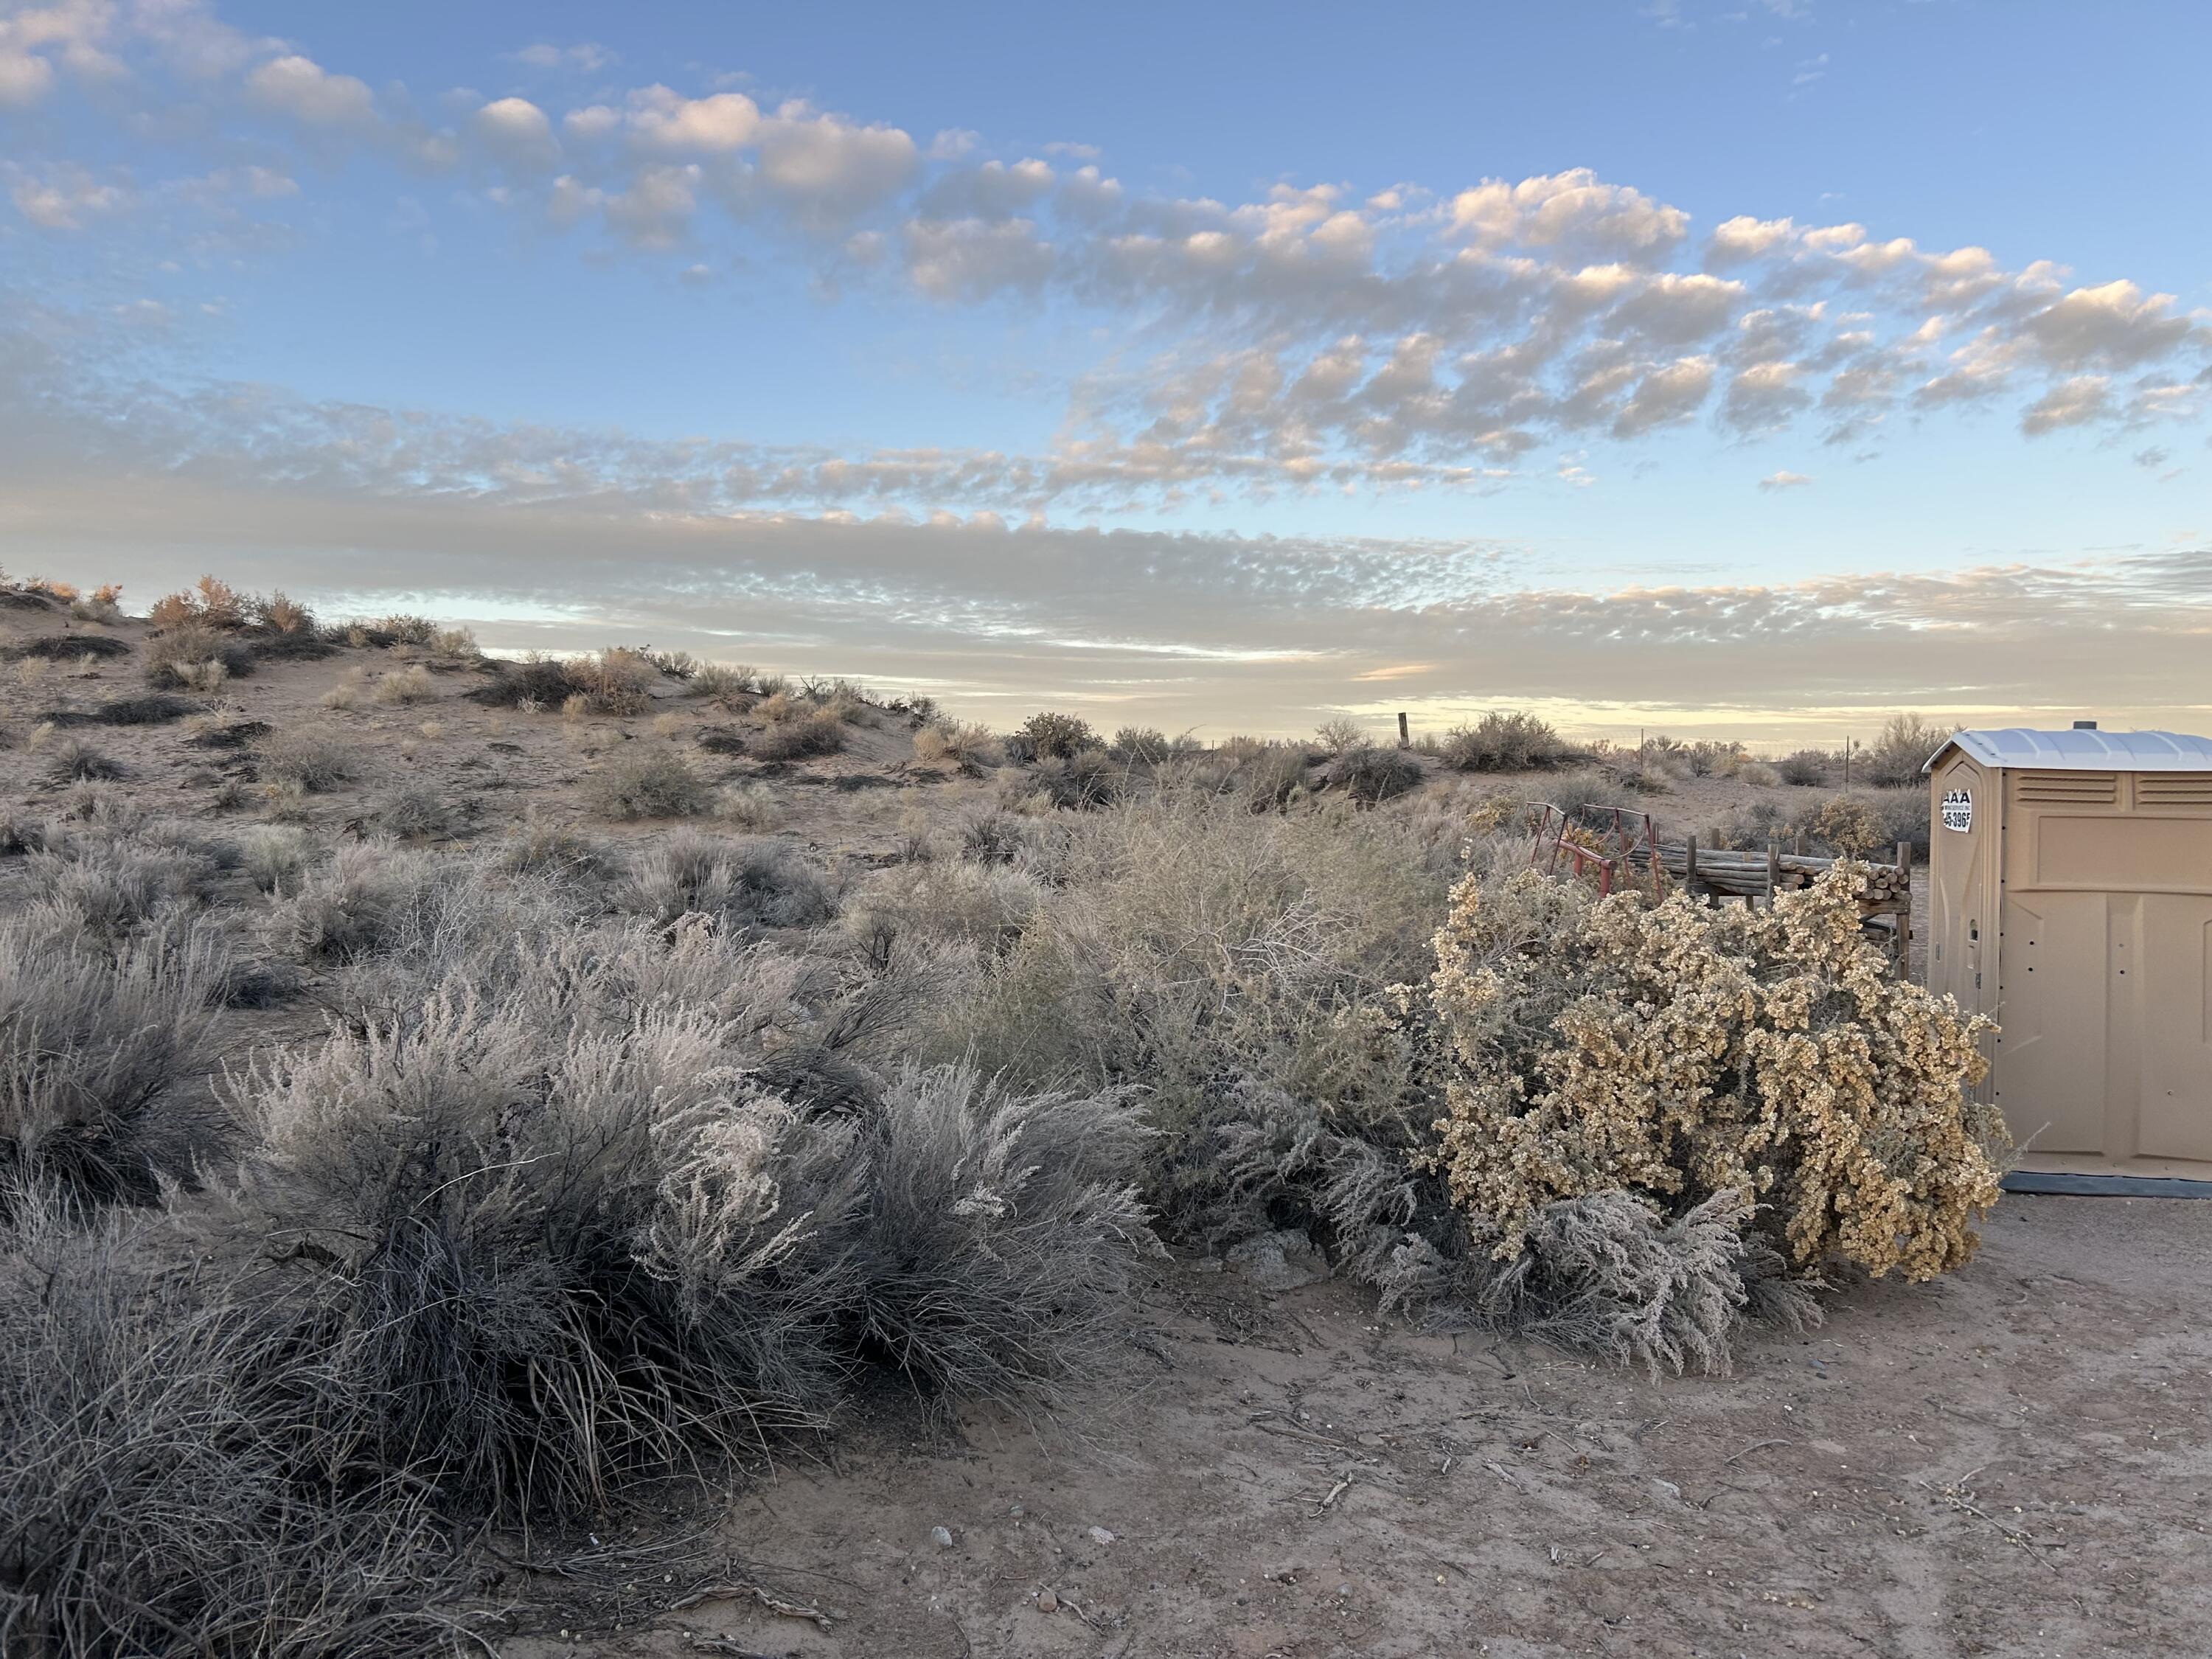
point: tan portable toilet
(2070, 899)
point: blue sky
(1753, 368)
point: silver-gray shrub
(156, 1492)
(745, 879)
(101, 1055)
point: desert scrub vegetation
(310, 761)
(796, 732)
(648, 781)
(572, 1161)
(1682, 1054)
(1502, 742)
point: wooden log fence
(1625, 849)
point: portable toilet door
(2072, 903)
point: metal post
(1689, 866)
(1773, 871)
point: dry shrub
(158, 1489)
(416, 811)
(1847, 824)
(1050, 736)
(1334, 736)
(617, 681)
(279, 614)
(1501, 741)
(996, 1262)
(1188, 945)
(1678, 1053)
(799, 736)
(1086, 779)
(73, 760)
(983, 905)
(535, 682)
(410, 685)
(720, 683)
(749, 806)
(310, 761)
(176, 652)
(648, 781)
(62, 648)
(1893, 759)
(1369, 774)
(1803, 768)
(745, 879)
(966, 745)
(99, 1051)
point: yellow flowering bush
(1677, 1052)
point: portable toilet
(2070, 899)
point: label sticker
(1958, 810)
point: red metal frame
(1627, 833)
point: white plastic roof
(2084, 751)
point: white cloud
(2116, 324)
(63, 198)
(517, 131)
(1783, 480)
(2071, 402)
(1572, 211)
(828, 168)
(718, 123)
(970, 259)
(302, 88)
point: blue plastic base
(2106, 1185)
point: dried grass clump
(616, 681)
(417, 811)
(1502, 742)
(1088, 778)
(159, 1489)
(1370, 774)
(799, 736)
(721, 682)
(311, 761)
(99, 1052)
(648, 781)
(73, 760)
(1677, 1054)
(1001, 1228)
(534, 683)
(176, 652)
(966, 745)
(744, 878)
(410, 685)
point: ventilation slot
(2174, 789)
(2068, 788)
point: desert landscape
(629, 1154)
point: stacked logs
(1883, 887)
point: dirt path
(2013, 1462)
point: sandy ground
(2013, 1462)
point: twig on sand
(1755, 1445)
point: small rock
(940, 1537)
(1016, 1510)
(1669, 1490)
(1047, 1601)
(1100, 1535)
(1278, 1261)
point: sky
(1750, 370)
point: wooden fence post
(1690, 866)
(1405, 737)
(1904, 916)
(1773, 870)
